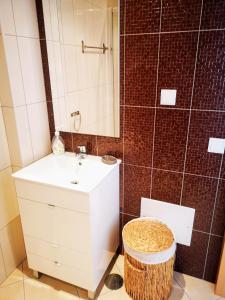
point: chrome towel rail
(103, 48)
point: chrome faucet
(82, 152)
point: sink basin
(67, 171)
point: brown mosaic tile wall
(178, 45)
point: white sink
(64, 170)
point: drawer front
(58, 253)
(56, 269)
(56, 225)
(72, 200)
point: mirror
(83, 54)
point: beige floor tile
(178, 293)
(36, 290)
(15, 276)
(196, 288)
(120, 264)
(13, 291)
(115, 295)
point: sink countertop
(60, 170)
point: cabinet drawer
(72, 200)
(56, 269)
(58, 253)
(56, 225)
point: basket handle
(140, 270)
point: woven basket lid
(147, 235)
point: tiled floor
(21, 286)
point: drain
(114, 281)
(74, 181)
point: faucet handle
(82, 149)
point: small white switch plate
(168, 97)
(216, 145)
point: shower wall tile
(219, 219)
(141, 69)
(142, 16)
(199, 193)
(122, 69)
(136, 185)
(176, 65)
(213, 260)
(68, 140)
(122, 16)
(213, 14)
(170, 139)
(204, 125)
(166, 186)
(209, 83)
(179, 146)
(180, 15)
(138, 136)
(191, 260)
(111, 146)
(84, 139)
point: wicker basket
(149, 258)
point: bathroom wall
(11, 239)
(24, 133)
(176, 45)
(22, 85)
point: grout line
(129, 215)
(175, 108)
(25, 104)
(173, 32)
(212, 234)
(96, 142)
(156, 96)
(21, 36)
(214, 208)
(124, 101)
(172, 171)
(192, 94)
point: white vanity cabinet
(71, 231)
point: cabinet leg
(36, 274)
(91, 295)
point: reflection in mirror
(83, 54)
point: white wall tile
(38, 120)
(68, 24)
(4, 152)
(6, 17)
(24, 135)
(8, 202)
(11, 131)
(32, 72)
(2, 267)
(14, 70)
(5, 91)
(55, 69)
(25, 18)
(12, 243)
(51, 19)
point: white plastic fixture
(168, 97)
(216, 145)
(179, 218)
